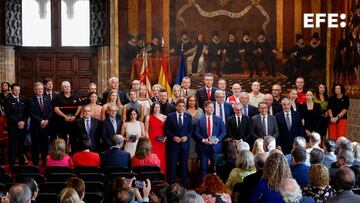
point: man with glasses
(276, 93)
(222, 108)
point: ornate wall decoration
(98, 22)
(13, 27)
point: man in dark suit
(49, 92)
(89, 126)
(290, 126)
(248, 109)
(209, 132)
(16, 115)
(165, 106)
(111, 126)
(40, 113)
(239, 126)
(345, 179)
(49, 86)
(222, 108)
(276, 93)
(264, 124)
(208, 92)
(114, 85)
(115, 156)
(272, 108)
(222, 86)
(178, 129)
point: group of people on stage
(175, 133)
(231, 56)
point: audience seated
(258, 146)
(314, 142)
(18, 193)
(86, 157)
(242, 191)
(317, 156)
(241, 146)
(57, 155)
(299, 142)
(213, 188)
(31, 183)
(174, 193)
(69, 195)
(356, 150)
(244, 167)
(319, 187)
(143, 155)
(191, 197)
(276, 169)
(115, 156)
(330, 156)
(158, 193)
(345, 181)
(291, 192)
(344, 158)
(269, 144)
(78, 185)
(225, 161)
(298, 168)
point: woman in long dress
(154, 125)
(132, 130)
(144, 100)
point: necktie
(209, 94)
(221, 112)
(209, 127)
(41, 104)
(50, 96)
(88, 126)
(186, 94)
(245, 110)
(288, 123)
(180, 120)
(264, 124)
(238, 122)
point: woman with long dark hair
(338, 107)
(132, 130)
(321, 97)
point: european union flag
(181, 70)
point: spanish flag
(164, 75)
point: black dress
(311, 117)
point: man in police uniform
(67, 108)
(16, 114)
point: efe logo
(313, 20)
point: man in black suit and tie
(290, 126)
(239, 126)
(16, 115)
(111, 126)
(115, 156)
(222, 109)
(222, 86)
(114, 85)
(272, 108)
(208, 92)
(40, 113)
(248, 109)
(178, 129)
(264, 124)
(210, 130)
(49, 86)
(165, 106)
(89, 126)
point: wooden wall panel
(46, 65)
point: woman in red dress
(154, 125)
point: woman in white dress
(132, 130)
(144, 100)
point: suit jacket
(173, 129)
(108, 132)
(54, 94)
(227, 108)
(115, 157)
(190, 92)
(275, 109)
(252, 110)
(244, 132)
(201, 95)
(346, 196)
(271, 124)
(286, 136)
(15, 111)
(123, 98)
(94, 131)
(166, 108)
(218, 130)
(36, 114)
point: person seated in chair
(86, 157)
(115, 156)
(143, 155)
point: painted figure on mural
(247, 51)
(196, 61)
(155, 47)
(128, 51)
(265, 52)
(231, 54)
(215, 54)
(318, 53)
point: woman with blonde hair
(144, 100)
(244, 166)
(293, 95)
(276, 169)
(176, 94)
(258, 146)
(319, 187)
(113, 98)
(57, 155)
(69, 195)
(143, 154)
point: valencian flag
(181, 70)
(164, 74)
(144, 79)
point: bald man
(255, 96)
(272, 108)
